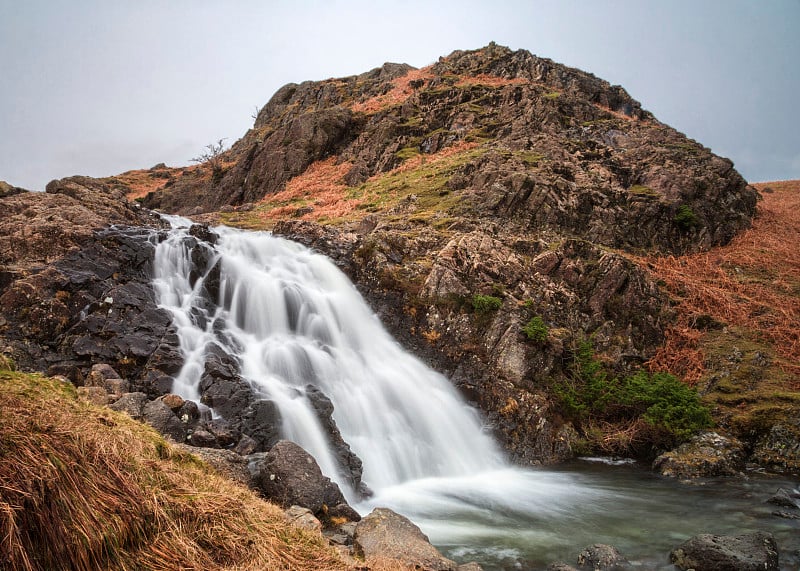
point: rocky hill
(500, 211)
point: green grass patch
(536, 329)
(685, 217)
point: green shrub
(536, 329)
(685, 217)
(671, 408)
(485, 303)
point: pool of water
(527, 519)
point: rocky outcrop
(750, 552)
(75, 291)
(555, 149)
(384, 534)
(706, 455)
(779, 448)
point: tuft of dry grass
(84, 488)
(752, 283)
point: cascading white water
(296, 320)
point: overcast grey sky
(98, 87)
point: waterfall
(293, 321)
(295, 325)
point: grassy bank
(83, 488)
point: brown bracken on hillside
(753, 283)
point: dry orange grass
(320, 187)
(400, 91)
(752, 283)
(140, 183)
(490, 81)
(84, 488)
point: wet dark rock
(706, 455)
(785, 498)
(160, 416)
(601, 557)
(261, 422)
(189, 413)
(386, 534)
(349, 463)
(229, 397)
(749, 552)
(130, 403)
(203, 439)
(288, 475)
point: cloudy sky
(98, 87)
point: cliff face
(489, 174)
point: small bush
(671, 409)
(536, 329)
(685, 217)
(486, 303)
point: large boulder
(749, 552)
(706, 455)
(288, 475)
(384, 534)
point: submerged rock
(749, 552)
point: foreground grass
(85, 488)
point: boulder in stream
(706, 455)
(749, 552)
(601, 557)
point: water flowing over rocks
(749, 552)
(536, 184)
